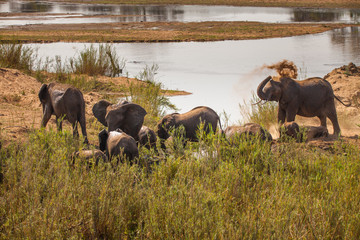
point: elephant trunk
(260, 91)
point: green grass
(209, 190)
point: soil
(20, 109)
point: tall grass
(264, 114)
(97, 61)
(100, 60)
(149, 95)
(212, 190)
(13, 55)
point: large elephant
(191, 122)
(312, 97)
(118, 144)
(65, 102)
(248, 130)
(129, 117)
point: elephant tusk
(257, 102)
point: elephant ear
(43, 92)
(99, 111)
(103, 136)
(128, 117)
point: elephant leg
(281, 115)
(291, 114)
(46, 117)
(83, 129)
(59, 123)
(322, 120)
(333, 118)
(75, 129)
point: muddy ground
(20, 109)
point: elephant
(65, 102)
(129, 117)
(312, 97)
(191, 122)
(247, 130)
(95, 154)
(147, 137)
(292, 129)
(118, 144)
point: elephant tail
(346, 105)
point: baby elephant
(87, 155)
(247, 130)
(118, 144)
(191, 121)
(292, 129)
(147, 137)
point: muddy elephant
(292, 129)
(65, 102)
(312, 97)
(248, 130)
(129, 117)
(191, 122)
(147, 137)
(118, 144)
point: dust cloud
(285, 68)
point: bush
(100, 61)
(17, 56)
(264, 114)
(211, 190)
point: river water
(89, 13)
(223, 74)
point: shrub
(17, 56)
(264, 114)
(97, 61)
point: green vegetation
(263, 113)
(206, 190)
(100, 61)
(17, 56)
(150, 97)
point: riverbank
(158, 31)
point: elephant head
(129, 117)
(269, 90)
(164, 126)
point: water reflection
(316, 15)
(184, 13)
(223, 74)
(26, 7)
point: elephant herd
(124, 121)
